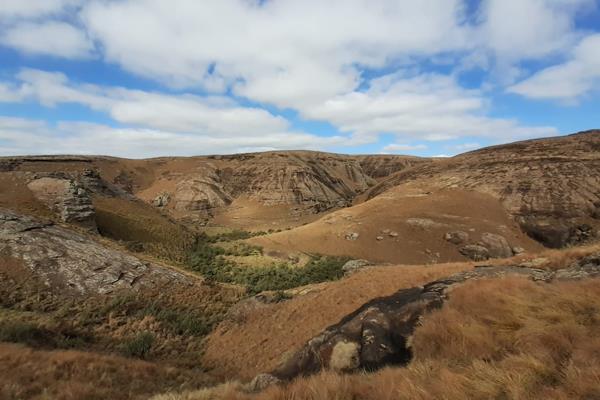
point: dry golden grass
(494, 339)
(73, 375)
(135, 222)
(259, 337)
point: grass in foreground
(494, 339)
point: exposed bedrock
(379, 333)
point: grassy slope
(507, 338)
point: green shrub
(178, 321)
(37, 336)
(139, 346)
(208, 261)
(22, 332)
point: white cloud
(427, 107)
(179, 113)
(284, 52)
(33, 8)
(22, 136)
(50, 38)
(570, 80)
(528, 29)
(396, 148)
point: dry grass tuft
(505, 338)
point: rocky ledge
(379, 333)
(73, 261)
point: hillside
(253, 191)
(545, 190)
(272, 275)
(551, 187)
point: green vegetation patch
(138, 346)
(208, 260)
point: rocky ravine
(70, 261)
(310, 181)
(379, 333)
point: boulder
(261, 382)
(162, 200)
(497, 245)
(355, 265)
(518, 250)
(351, 236)
(475, 252)
(457, 237)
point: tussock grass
(494, 339)
(141, 228)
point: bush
(208, 261)
(138, 346)
(37, 336)
(22, 332)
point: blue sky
(145, 78)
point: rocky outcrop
(72, 262)
(353, 266)
(68, 198)
(379, 333)
(200, 192)
(381, 166)
(551, 187)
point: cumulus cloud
(49, 38)
(528, 29)
(23, 136)
(569, 80)
(319, 59)
(285, 52)
(179, 113)
(33, 8)
(430, 107)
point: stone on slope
(475, 252)
(457, 237)
(497, 245)
(379, 332)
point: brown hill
(547, 188)
(551, 187)
(262, 188)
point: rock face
(72, 261)
(200, 193)
(379, 333)
(68, 198)
(551, 187)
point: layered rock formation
(550, 186)
(68, 198)
(69, 261)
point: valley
(271, 275)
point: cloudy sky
(142, 78)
